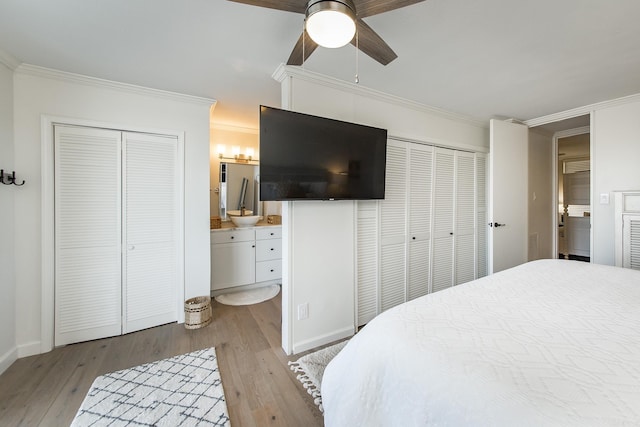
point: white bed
(549, 342)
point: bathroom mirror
(239, 186)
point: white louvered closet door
(393, 228)
(443, 224)
(465, 213)
(482, 263)
(150, 212)
(631, 241)
(367, 268)
(87, 234)
(419, 210)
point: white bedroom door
(508, 201)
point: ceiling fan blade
(296, 54)
(298, 6)
(372, 44)
(366, 8)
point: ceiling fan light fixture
(331, 23)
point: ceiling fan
(368, 41)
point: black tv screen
(316, 158)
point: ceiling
(482, 58)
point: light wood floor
(47, 389)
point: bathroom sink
(245, 221)
(237, 212)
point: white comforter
(546, 343)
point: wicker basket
(274, 219)
(215, 222)
(197, 312)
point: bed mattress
(550, 342)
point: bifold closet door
(116, 232)
(419, 209)
(464, 233)
(482, 227)
(393, 228)
(87, 234)
(150, 212)
(443, 219)
(631, 241)
(367, 256)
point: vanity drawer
(264, 233)
(234, 235)
(268, 249)
(268, 270)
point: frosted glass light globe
(330, 28)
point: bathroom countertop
(228, 225)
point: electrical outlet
(303, 311)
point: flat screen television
(305, 157)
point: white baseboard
(30, 349)
(7, 359)
(323, 340)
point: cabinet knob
(271, 270)
(272, 233)
(253, 246)
(272, 249)
(414, 237)
(451, 234)
(232, 237)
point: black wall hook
(9, 179)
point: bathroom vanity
(245, 257)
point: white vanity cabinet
(245, 256)
(233, 258)
(268, 253)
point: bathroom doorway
(574, 195)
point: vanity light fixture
(238, 157)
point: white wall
(8, 351)
(319, 237)
(615, 148)
(47, 92)
(320, 245)
(540, 195)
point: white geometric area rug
(184, 390)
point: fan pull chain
(357, 49)
(304, 29)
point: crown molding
(9, 60)
(234, 128)
(284, 71)
(64, 76)
(581, 111)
